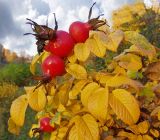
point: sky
(13, 14)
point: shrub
(15, 73)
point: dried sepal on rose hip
(58, 42)
(80, 30)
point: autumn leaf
(155, 133)
(114, 39)
(95, 48)
(155, 111)
(129, 61)
(87, 91)
(85, 128)
(153, 71)
(125, 106)
(77, 71)
(72, 58)
(63, 93)
(119, 80)
(147, 137)
(98, 104)
(81, 51)
(143, 127)
(36, 98)
(12, 127)
(140, 50)
(102, 77)
(130, 136)
(77, 88)
(37, 59)
(141, 43)
(18, 109)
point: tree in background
(138, 17)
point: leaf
(81, 51)
(72, 58)
(119, 70)
(62, 132)
(129, 61)
(12, 127)
(18, 109)
(56, 119)
(36, 99)
(77, 71)
(87, 91)
(85, 128)
(98, 104)
(143, 127)
(63, 93)
(130, 136)
(98, 50)
(147, 137)
(155, 133)
(119, 80)
(37, 59)
(102, 77)
(77, 88)
(153, 71)
(125, 106)
(114, 39)
(140, 41)
(140, 50)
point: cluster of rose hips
(60, 44)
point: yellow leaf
(130, 136)
(73, 134)
(134, 129)
(143, 127)
(100, 37)
(53, 135)
(97, 49)
(119, 70)
(72, 58)
(87, 91)
(129, 61)
(103, 77)
(37, 98)
(12, 127)
(77, 88)
(125, 106)
(139, 137)
(155, 133)
(81, 51)
(155, 111)
(63, 93)
(147, 137)
(98, 104)
(119, 80)
(18, 109)
(36, 59)
(85, 128)
(62, 132)
(142, 51)
(76, 70)
(139, 40)
(114, 39)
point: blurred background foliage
(138, 17)
(13, 75)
